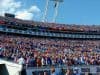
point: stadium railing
(94, 70)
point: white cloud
(34, 9)
(28, 14)
(15, 7)
(24, 15)
(9, 6)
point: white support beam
(56, 11)
(45, 12)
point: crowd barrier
(83, 70)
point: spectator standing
(21, 60)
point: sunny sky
(70, 11)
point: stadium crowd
(37, 52)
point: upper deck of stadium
(26, 27)
(49, 26)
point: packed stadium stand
(39, 44)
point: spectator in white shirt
(21, 60)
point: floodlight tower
(57, 2)
(46, 10)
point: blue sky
(70, 11)
(74, 11)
